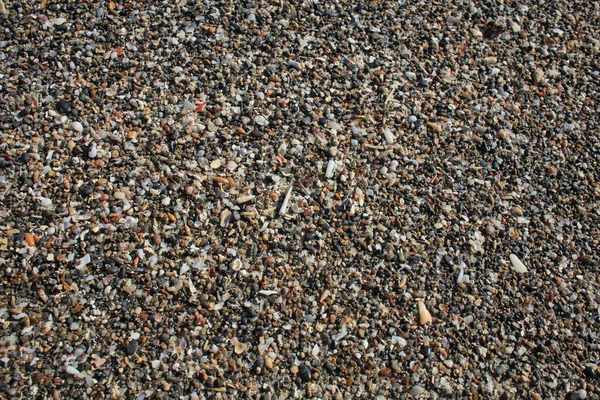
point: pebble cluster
(316, 199)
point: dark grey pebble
(87, 190)
(25, 157)
(23, 113)
(426, 351)
(64, 107)
(132, 347)
(304, 372)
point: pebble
(424, 314)
(30, 239)
(304, 373)
(64, 107)
(416, 391)
(260, 120)
(294, 64)
(132, 347)
(77, 127)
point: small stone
(538, 75)
(64, 107)
(71, 370)
(491, 60)
(576, 395)
(426, 352)
(268, 363)
(93, 152)
(23, 113)
(30, 239)
(225, 218)
(132, 347)
(294, 64)
(87, 190)
(77, 126)
(261, 120)
(416, 391)
(424, 314)
(590, 372)
(244, 199)
(517, 264)
(385, 372)
(304, 372)
(436, 127)
(119, 196)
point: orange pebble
(30, 239)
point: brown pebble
(385, 372)
(436, 127)
(30, 239)
(157, 239)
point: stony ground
(299, 200)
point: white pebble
(72, 370)
(93, 151)
(77, 126)
(45, 202)
(417, 391)
(412, 119)
(188, 105)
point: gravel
(299, 200)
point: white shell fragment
(389, 136)
(267, 292)
(517, 264)
(424, 314)
(72, 370)
(261, 120)
(286, 202)
(330, 167)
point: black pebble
(25, 157)
(590, 373)
(87, 190)
(573, 395)
(23, 113)
(64, 107)
(132, 347)
(426, 352)
(304, 371)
